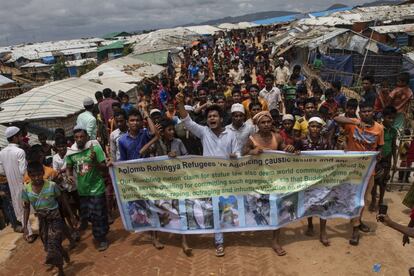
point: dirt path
(247, 253)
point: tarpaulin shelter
(54, 105)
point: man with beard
(216, 140)
(238, 124)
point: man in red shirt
(105, 107)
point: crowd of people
(231, 97)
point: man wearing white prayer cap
(13, 165)
(238, 125)
(86, 119)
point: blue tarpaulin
(49, 60)
(279, 19)
(334, 68)
(73, 71)
(387, 49)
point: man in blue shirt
(135, 143)
(131, 143)
(193, 69)
(126, 105)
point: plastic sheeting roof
(79, 62)
(57, 99)
(164, 39)
(403, 28)
(203, 29)
(118, 74)
(391, 13)
(34, 64)
(4, 80)
(322, 37)
(39, 50)
(241, 25)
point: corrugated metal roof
(4, 80)
(57, 99)
(403, 28)
(119, 44)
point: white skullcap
(88, 101)
(79, 127)
(316, 119)
(153, 111)
(288, 117)
(237, 108)
(11, 131)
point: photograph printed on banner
(168, 213)
(287, 207)
(228, 212)
(327, 201)
(140, 213)
(257, 209)
(199, 213)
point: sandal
(325, 242)
(32, 238)
(219, 250)
(278, 250)
(188, 251)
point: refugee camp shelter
(154, 46)
(123, 74)
(396, 35)
(51, 106)
(73, 66)
(8, 88)
(115, 35)
(345, 54)
(111, 51)
(408, 66)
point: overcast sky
(43, 20)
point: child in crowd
(44, 196)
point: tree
(87, 66)
(59, 70)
